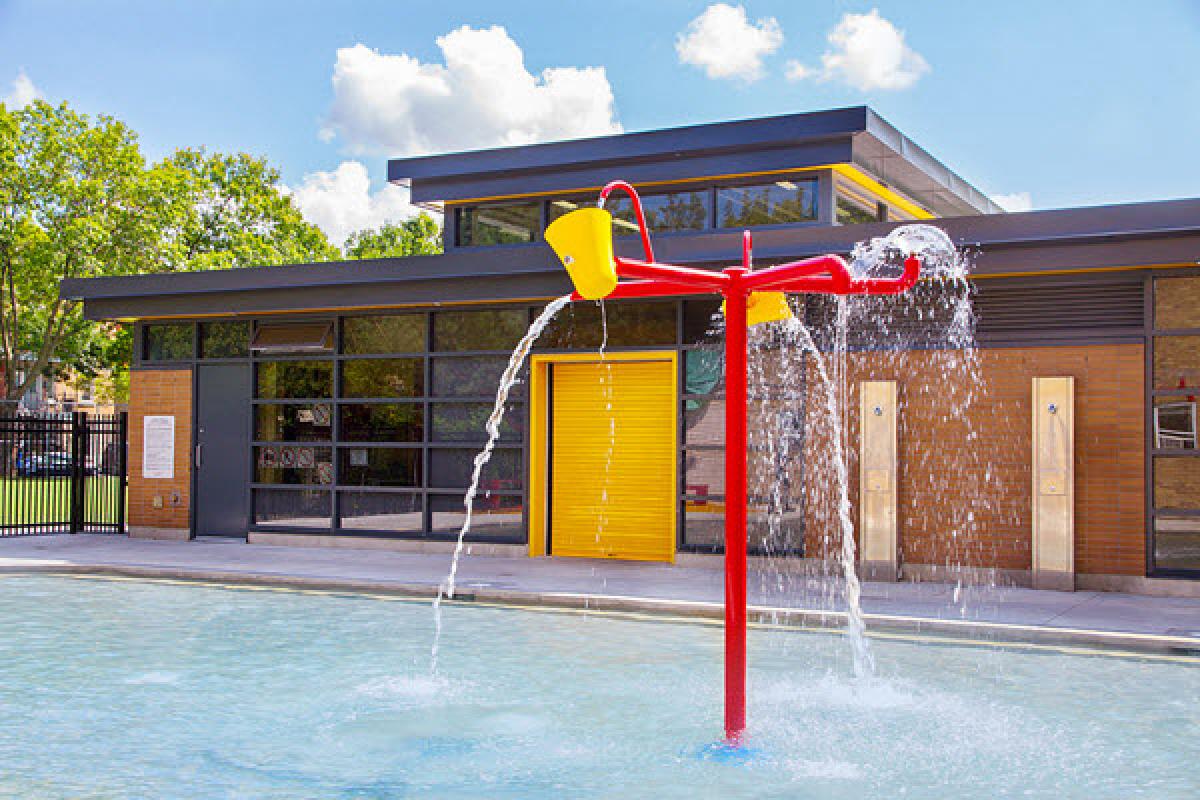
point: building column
(877, 473)
(1054, 483)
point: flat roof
(855, 135)
(1134, 235)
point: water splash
(507, 380)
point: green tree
(77, 199)
(416, 236)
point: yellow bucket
(765, 307)
(582, 240)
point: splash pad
(583, 242)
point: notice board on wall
(158, 447)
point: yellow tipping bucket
(765, 307)
(582, 240)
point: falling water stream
(507, 380)
(793, 343)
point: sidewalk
(1153, 624)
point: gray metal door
(222, 456)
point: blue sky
(1073, 103)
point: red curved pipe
(637, 210)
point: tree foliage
(77, 199)
(416, 236)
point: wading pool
(134, 689)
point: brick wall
(964, 489)
(155, 392)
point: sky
(1039, 104)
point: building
(343, 403)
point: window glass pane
(381, 511)
(674, 211)
(509, 223)
(451, 469)
(293, 337)
(280, 380)
(403, 333)
(293, 464)
(383, 377)
(224, 339)
(775, 525)
(1175, 422)
(464, 422)
(474, 376)
(479, 330)
(304, 422)
(704, 522)
(494, 516)
(383, 422)
(580, 326)
(168, 342)
(704, 472)
(1176, 362)
(1177, 482)
(295, 508)
(1177, 302)
(704, 419)
(380, 466)
(1176, 541)
(703, 372)
(702, 321)
(854, 205)
(767, 204)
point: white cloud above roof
(482, 96)
(724, 43)
(23, 93)
(1016, 201)
(866, 52)
(340, 202)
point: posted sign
(158, 447)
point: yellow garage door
(612, 464)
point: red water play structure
(582, 240)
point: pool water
(130, 689)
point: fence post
(123, 465)
(79, 448)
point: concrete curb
(879, 625)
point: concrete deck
(1082, 618)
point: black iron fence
(63, 473)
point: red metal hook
(637, 210)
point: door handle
(199, 448)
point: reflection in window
(508, 223)
(704, 472)
(451, 469)
(1176, 362)
(292, 508)
(224, 339)
(472, 376)
(1177, 302)
(383, 377)
(705, 421)
(855, 206)
(381, 511)
(777, 203)
(280, 380)
(704, 522)
(383, 422)
(702, 321)
(402, 333)
(310, 422)
(1175, 423)
(380, 466)
(665, 211)
(496, 516)
(479, 330)
(293, 464)
(580, 326)
(167, 342)
(293, 337)
(464, 422)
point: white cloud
(482, 96)
(1017, 201)
(724, 43)
(23, 93)
(867, 52)
(341, 202)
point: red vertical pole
(735, 506)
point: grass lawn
(46, 500)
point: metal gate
(63, 473)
